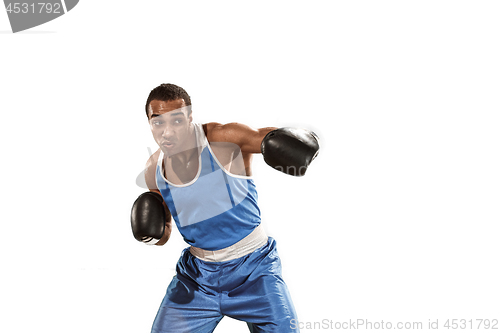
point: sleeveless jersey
(214, 210)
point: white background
(396, 220)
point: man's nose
(167, 132)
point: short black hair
(168, 92)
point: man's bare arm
(289, 150)
(247, 138)
(149, 173)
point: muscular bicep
(246, 137)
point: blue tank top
(214, 210)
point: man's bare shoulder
(153, 159)
(213, 131)
(150, 170)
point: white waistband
(257, 238)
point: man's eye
(157, 123)
(178, 121)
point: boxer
(201, 178)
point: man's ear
(190, 118)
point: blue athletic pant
(249, 288)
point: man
(201, 177)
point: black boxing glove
(290, 150)
(148, 218)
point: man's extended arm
(150, 218)
(289, 150)
(247, 138)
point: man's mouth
(168, 144)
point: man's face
(171, 125)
